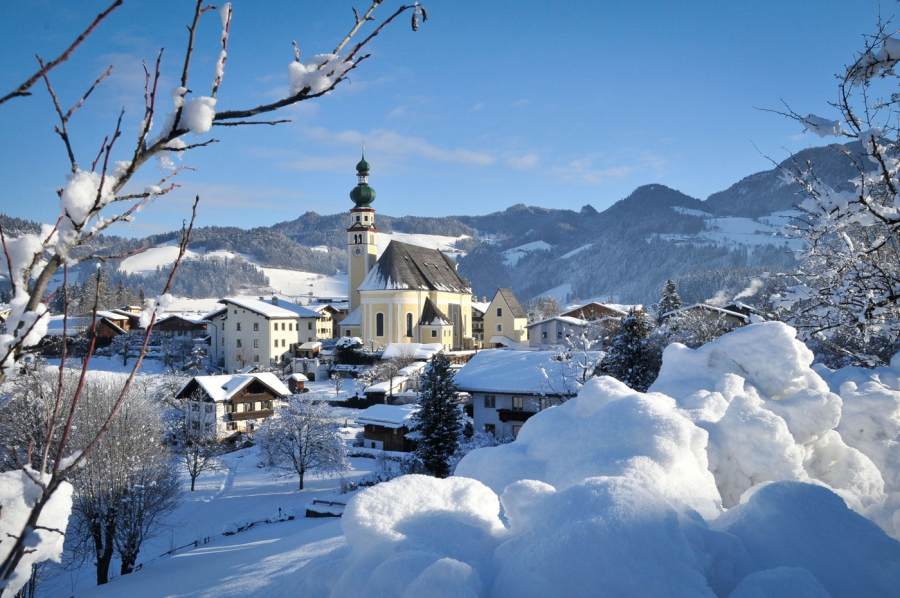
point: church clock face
(357, 251)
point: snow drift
(737, 475)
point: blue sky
(489, 104)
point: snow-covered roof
(298, 377)
(508, 371)
(432, 315)
(707, 307)
(354, 319)
(416, 350)
(413, 369)
(388, 416)
(404, 266)
(265, 307)
(566, 319)
(397, 382)
(310, 346)
(223, 387)
(481, 306)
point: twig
(252, 122)
(22, 90)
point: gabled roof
(512, 372)
(265, 307)
(354, 319)
(566, 319)
(404, 266)
(706, 307)
(432, 315)
(512, 303)
(416, 350)
(222, 388)
(388, 416)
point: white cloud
(523, 162)
(477, 107)
(596, 169)
(391, 144)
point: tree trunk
(193, 479)
(103, 543)
(301, 472)
(128, 561)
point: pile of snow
(730, 478)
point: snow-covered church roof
(404, 266)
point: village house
(508, 387)
(558, 330)
(386, 427)
(605, 318)
(409, 294)
(479, 308)
(180, 327)
(711, 313)
(226, 405)
(260, 331)
(505, 321)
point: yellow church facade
(409, 294)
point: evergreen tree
(632, 358)
(670, 300)
(439, 420)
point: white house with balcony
(247, 331)
(226, 405)
(508, 387)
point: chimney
(274, 300)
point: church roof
(404, 266)
(432, 315)
(515, 308)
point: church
(409, 294)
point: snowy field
(744, 473)
(732, 231)
(512, 255)
(445, 244)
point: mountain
(625, 252)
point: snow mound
(769, 415)
(618, 493)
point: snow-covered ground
(512, 255)
(745, 473)
(559, 293)
(445, 244)
(576, 251)
(731, 231)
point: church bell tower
(362, 234)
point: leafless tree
(92, 201)
(849, 283)
(199, 450)
(337, 381)
(303, 438)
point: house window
(490, 429)
(347, 333)
(290, 326)
(543, 335)
(238, 326)
(239, 345)
(235, 312)
(210, 408)
(499, 327)
(195, 425)
(490, 401)
(546, 403)
(409, 325)
(256, 359)
(379, 324)
(282, 325)
(517, 403)
(276, 343)
(255, 326)
(434, 334)
(223, 341)
(256, 343)
(559, 334)
(195, 407)
(499, 312)
(309, 325)
(282, 342)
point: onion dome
(362, 195)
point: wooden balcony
(509, 415)
(245, 415)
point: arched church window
(379, 324)
(409, 325)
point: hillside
(625, 252)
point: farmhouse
(229, 404)
(386, 427)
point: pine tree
(439, 420)
(669, 302)
(632, 359)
